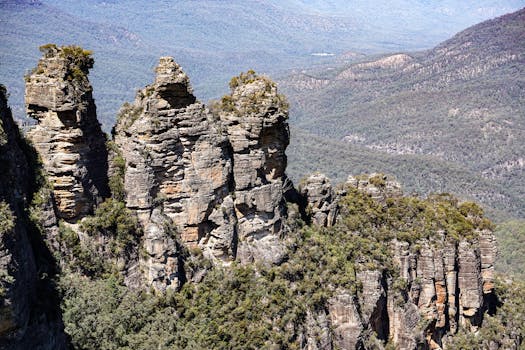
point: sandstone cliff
(29, 314)
(218, 177)
(67, 135)
(195, 188)
(437, 284)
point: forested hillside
(459, 107)
(214, 40)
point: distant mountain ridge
(214, 40)
(461, 102)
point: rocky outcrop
(439, 286)
(67, 135)
(218, 177)
(176, 160)
(321, 199)
(378, 186)
(29, 310)
(255, 117)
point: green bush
(511, 248)
(79, 257)
(505, 328)
(7, 219)
(256, 101)
(254, 307)
(113, 220)
(116, 180)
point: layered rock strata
(67, 135)
(217, 176)
(441, 286)
(29, 312)
(255, 118)
(176, 160)
(321, 199)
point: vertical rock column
(321, 199)
(178, 166)
(68, 136)
(29, 313)
(255, 117)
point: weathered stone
(163, 264)
(218, 177)
(470, 284)
(321, 199)
(67, 135)
(488, 252)
(258, 131)
(175, 156)
(378, 186)
(29, 312)
(345, 320)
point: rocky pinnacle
(67, 135)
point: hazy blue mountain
(214, 40)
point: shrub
(113, 220)
(116, 181)
(7, 219)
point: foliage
(410, 218)
(79, 61)
(503, 330)
(79, 257)
(420, 174)
(234, 309)
(255, 306)
(244, 78)
(113, 220)
(7, 219)
(511, 248)
(452, 112)
(116, 180)
(256, 100)
(103, 314)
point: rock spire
(67, 135)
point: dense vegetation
(7, 219)
(511, 249)
(259, 307)
(505, 329)
(250, 101)
(308, 153)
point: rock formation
(321, 199)
(255, 118)
(441, 285)
(29, 314)
(176, 160)
(67, 135)
(210, 183)
(217, 176)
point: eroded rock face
(321, 199)
(345, 320)
(218, 177)
(25, 321)
(177, 160)
(68, 136)
(441, 285)
(255, 118)
(378, 186)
